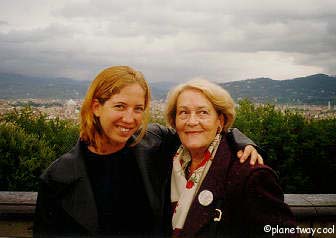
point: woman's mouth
(123, 129)
(193, 132)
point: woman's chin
(193, 146)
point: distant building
(70, 108)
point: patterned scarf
(183, 191)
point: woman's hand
(250, 152)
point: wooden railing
(16, 213)
(312, 211)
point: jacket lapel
(200, 215)
(79, 201)
(80, 205)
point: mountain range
(314, 89)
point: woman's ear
(221, 120)
(96, 107)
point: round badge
(205, 198)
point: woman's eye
(139, 109)
(203, 112)
(182, 112)
(119, 106)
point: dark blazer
(248, 197)
(65, 203)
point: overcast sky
(173, 40)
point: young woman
(112, 183)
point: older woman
(212, 194)
(111, 183)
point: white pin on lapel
(205, 198)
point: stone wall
(313, 211)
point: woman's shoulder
(236, 167)
(245, 171)
(247, 179)
(64, 169)
(238, 174)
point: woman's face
(121, 116)
(196, 120)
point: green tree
(301, 151)
(59, 134)
(29, 142)
(23, 158)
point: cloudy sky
(220, 40)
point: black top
(118, 189)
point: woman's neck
(196, 158)
(106, 148)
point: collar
(200, 215)
(75, 193)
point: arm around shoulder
(240, 139)
(166, 134)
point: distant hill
(314, 89)
(13, 86)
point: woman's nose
(128, 116)
(193, 119)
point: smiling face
(121, 115)
(196, 120)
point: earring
(219, 129)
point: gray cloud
(169, 40)
(3, 23)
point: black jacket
(65, 203)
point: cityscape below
(70, 108)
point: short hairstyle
(218, 96)
(106, 84)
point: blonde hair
(219, 97)
(106, 84)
